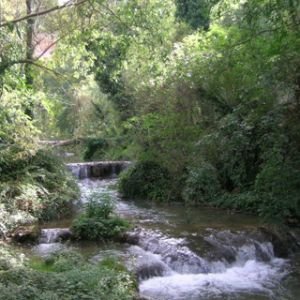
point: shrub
(202, 184)
(94, 146)
(10, 258)
(10, 220)
(146, 179)
(65, 261)
(75, 279)
(241, 201)
(278, 186)
(98, 222)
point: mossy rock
(28, 233)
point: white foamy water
(169, 270)
(53, 235)
(46, 249)
(253, 277)
(88, 187)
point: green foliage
(195, 12)
(98, 222)
(248, 201)
(17, 132)
(10, 258)
(37, 187)
(65, 261)
(278, 188)
(70, 277)
(109, 50)
(33, 184)
(170, 95)
(93, 146)
(146, 180)
(202, 185)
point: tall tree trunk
(29, 53)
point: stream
(186, 254)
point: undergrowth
(67, 275)
(33, 187)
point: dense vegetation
(204, 97)
(206, 90)
(218, 108)
(34, 184)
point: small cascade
(191, 264)
(54, 235)
(168, 269)
(50, 241)
(101, 169)
(240, 247)
(84, 172)
(172, 251)
(75, 170)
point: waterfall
(101, 169)
(50, 241)
(53, 235)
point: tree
(196, 13)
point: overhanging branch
(43, 12)
(27, 61)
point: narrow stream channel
(187, 254)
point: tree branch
(44, 12)
(60, 143)
(48, 48)
(45, 68)
(27, 61)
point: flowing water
(183, 254)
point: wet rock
(102, 171)
(146, 271)
(284, 242)
(66, 234)
(171, 251)
(131, 238)
(186, 263)
(147, 264)
(240, 246)
(261, 254)
(295, 234)
(222, 251)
